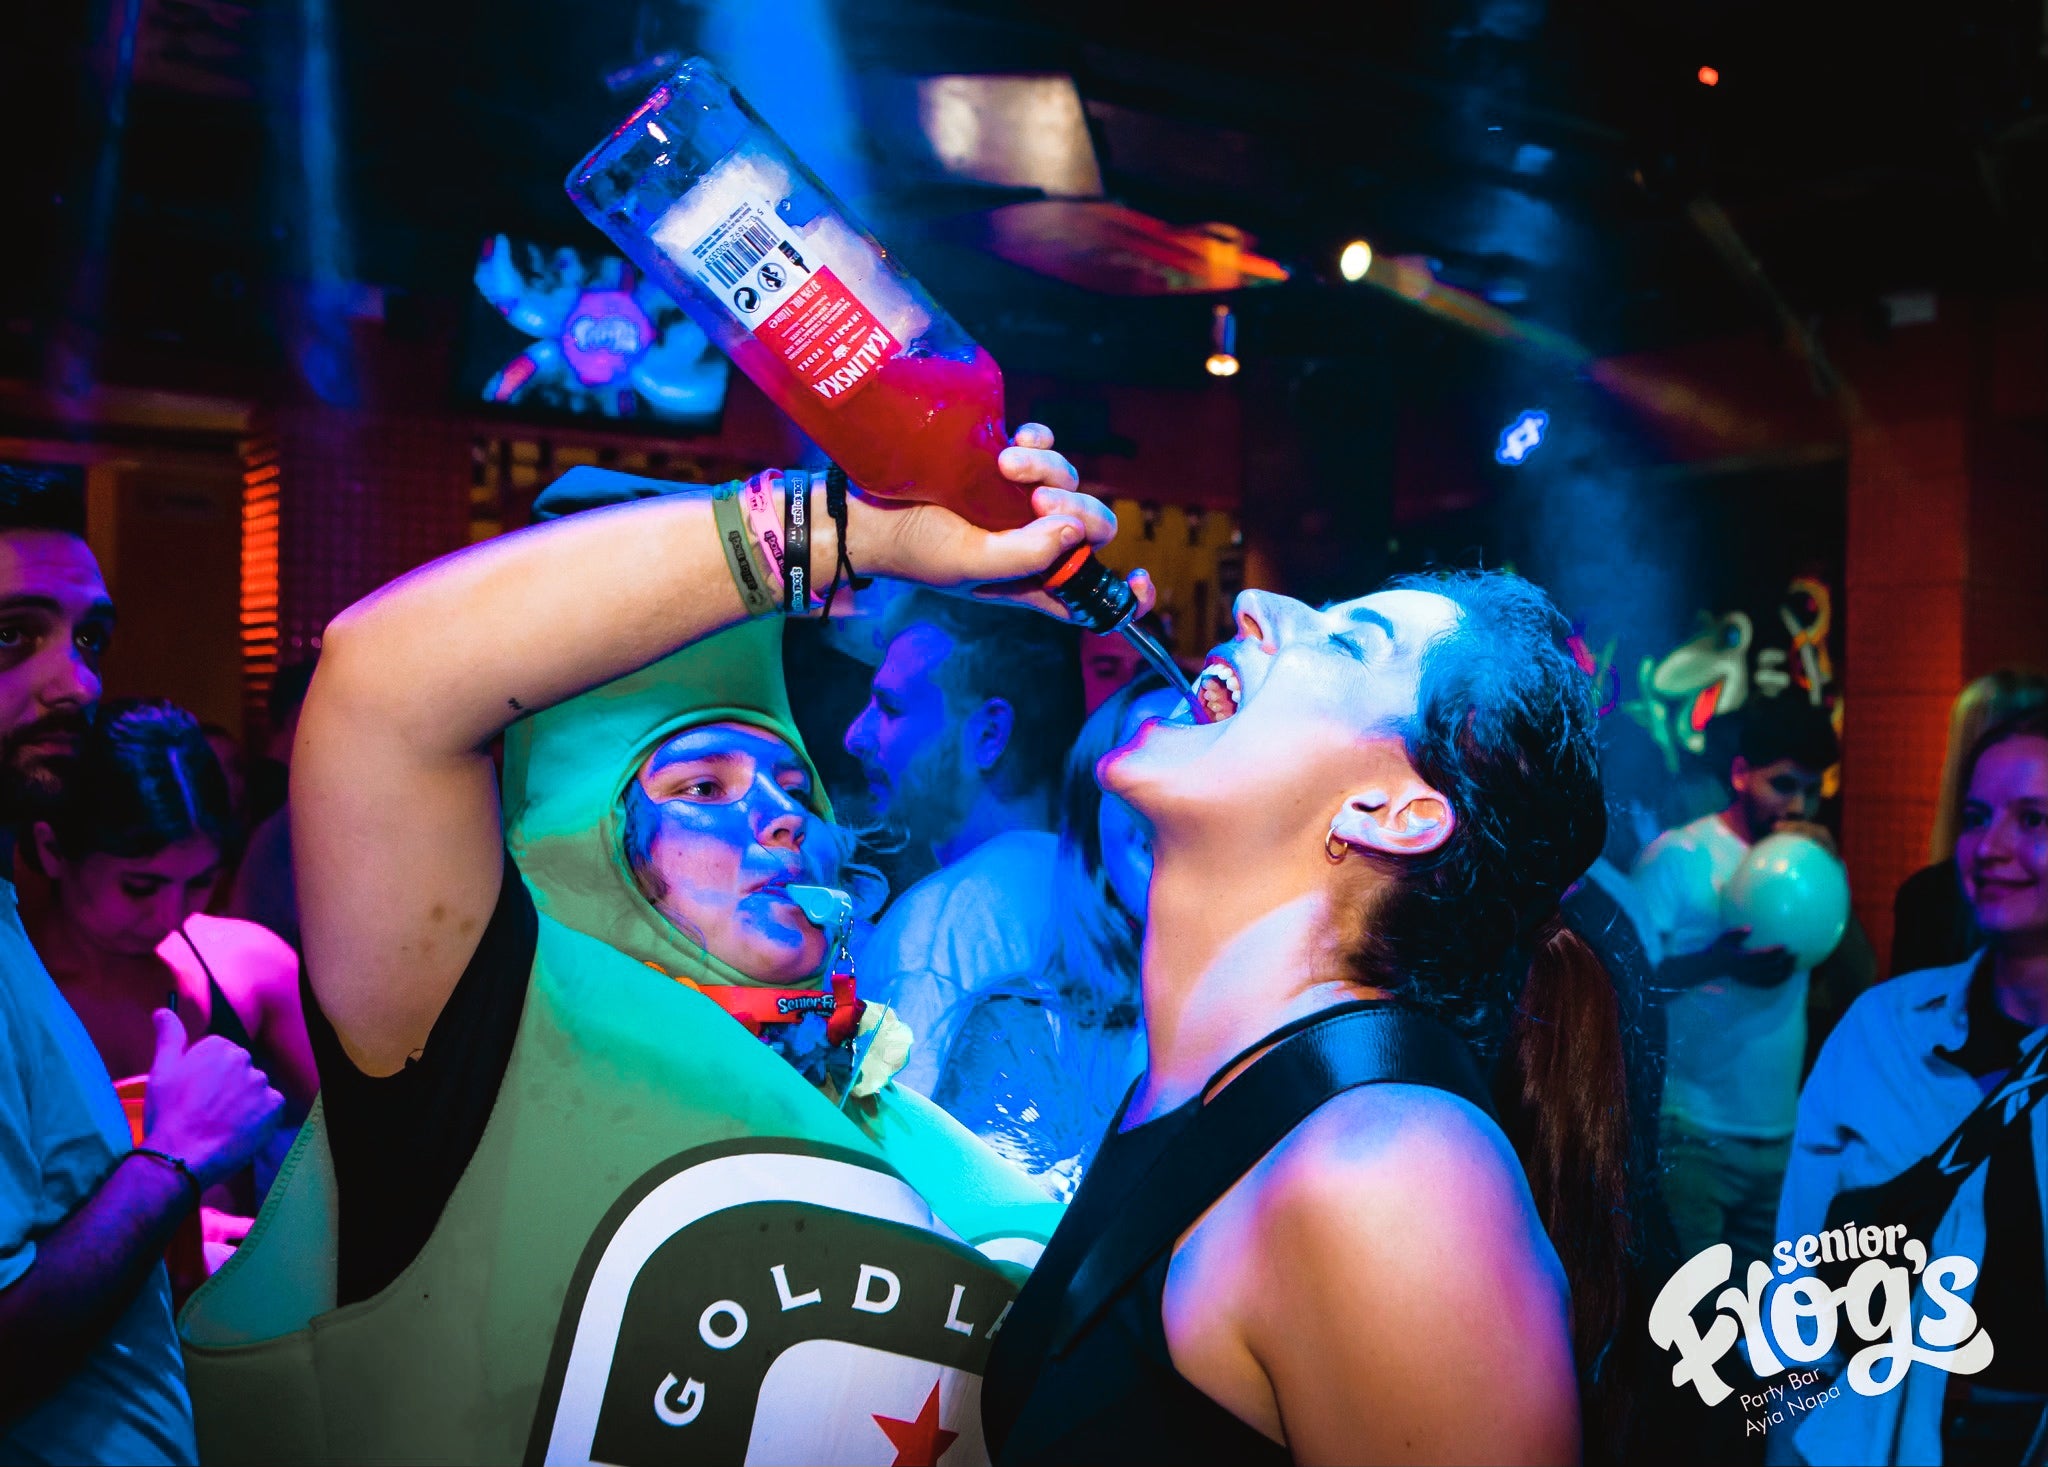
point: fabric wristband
(748, 575)
(796, 542)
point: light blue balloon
(1790, 893)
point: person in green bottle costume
(555, 1204)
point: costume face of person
(724, 826)
(1125, 838)
(1771, 794)
(908, 741)
(55, 621)
(127, 905)
(1307, 709)
(2002, 848)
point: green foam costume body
(668, 1247)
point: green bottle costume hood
(567, 769)
(653, 1183)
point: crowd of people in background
(158, 932)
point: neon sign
(607, 342)
(1522, 437)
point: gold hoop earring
(1336, 848)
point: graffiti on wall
(1716, 670)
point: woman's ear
(1404, 819)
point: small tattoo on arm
(517, 706)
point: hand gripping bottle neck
(699, 192)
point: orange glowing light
(260, 579)
(1709, 77)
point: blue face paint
(719, 826)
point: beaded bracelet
(176, 1164)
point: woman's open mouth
(1218, 691)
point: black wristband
(796, 542)
(176, 1164)
(835, 506)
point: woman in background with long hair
(1917, 1113)
(1932, 925)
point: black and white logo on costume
(771, 277)
(747, 298)
(795, 1304)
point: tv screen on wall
(560, 334)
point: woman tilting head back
(1358, 855)
(1470, 932)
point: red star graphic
(922, 1442)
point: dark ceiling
(1540, 153)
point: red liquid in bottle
(919, 427)
(929, 430)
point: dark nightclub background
(1726, 322)
(1772, 277)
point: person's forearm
(454, 652)
(86, 1272)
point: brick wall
(351, 499)
(1948, 541)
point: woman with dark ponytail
(1369, 1200)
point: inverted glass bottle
(699, 192)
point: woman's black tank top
(1080, 1371)
(225, 1021)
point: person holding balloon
(1744, 903)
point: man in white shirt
(1737, 1024)
(963, 738)
(91, 1370)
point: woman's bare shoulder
(244, 956)
(1408, 1155)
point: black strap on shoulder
(1369, 1043)
(1921, 1195)
(225, 1022)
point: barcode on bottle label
(736, 247)
(796, 306)
(748, 261)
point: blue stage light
(1522, 437)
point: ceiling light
(1709, 77)
(1522, 437)
(1356, 260)
(1223, 339)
